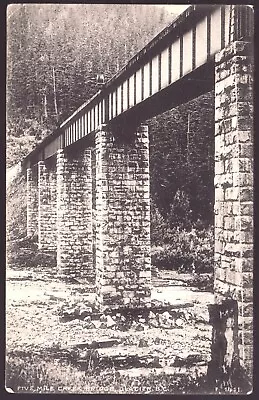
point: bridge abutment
(234, 196)
(47, 196)
(123, 264)
(74, 214)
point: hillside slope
(54, 52)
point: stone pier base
(123, 265)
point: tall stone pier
(32, 201)
(123, 265)
(74, 214)
(234, 203)
(47, 216)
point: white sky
(174, 8)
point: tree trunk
(45, 106)
(54, 90)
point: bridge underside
(90, 202)
(189, 87)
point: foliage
(185, 251)
(55, 51)
(22, 252)
(158, 225)
(23, 134)
(30, 373)
(182, 162)
(16, 208)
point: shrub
(188, 251)
(16, 208)
(180, 213)
(158, 226)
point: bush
(188, 251)
(16, 201)
(158, 226)
(180, 213)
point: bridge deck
(178, 58)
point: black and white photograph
(129, 198)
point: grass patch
(31, 373)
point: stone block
(248, 294)
(248, 311)
(246, 237)
(219, 194)
(219, 246)
(246, 194)
(229, 223)
(247, 264)
(237, 48)
(232, 193)
(247, 279)
(234, 277)
(231, 165)
(220, 273)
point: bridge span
(176, 66)
(88, 182)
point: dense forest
(54, 53)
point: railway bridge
(88, 182)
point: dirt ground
(34, 323)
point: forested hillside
(54, 52)
(182, 161)
(54, 55)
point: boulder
(97, 324)
(89, 325)
(139, 327)
(153, 323)
(166, 315)
(143, 343)
(110, 322)
(103, 318)
(151, 315)
(179, 323)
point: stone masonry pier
(74, 214)
(123, 264)
(234, 194)
(47, 201)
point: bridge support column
(32, 203)
(123, 264)
(234, 198)
(47, 216)
(74, 214)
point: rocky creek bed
(52, 318)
